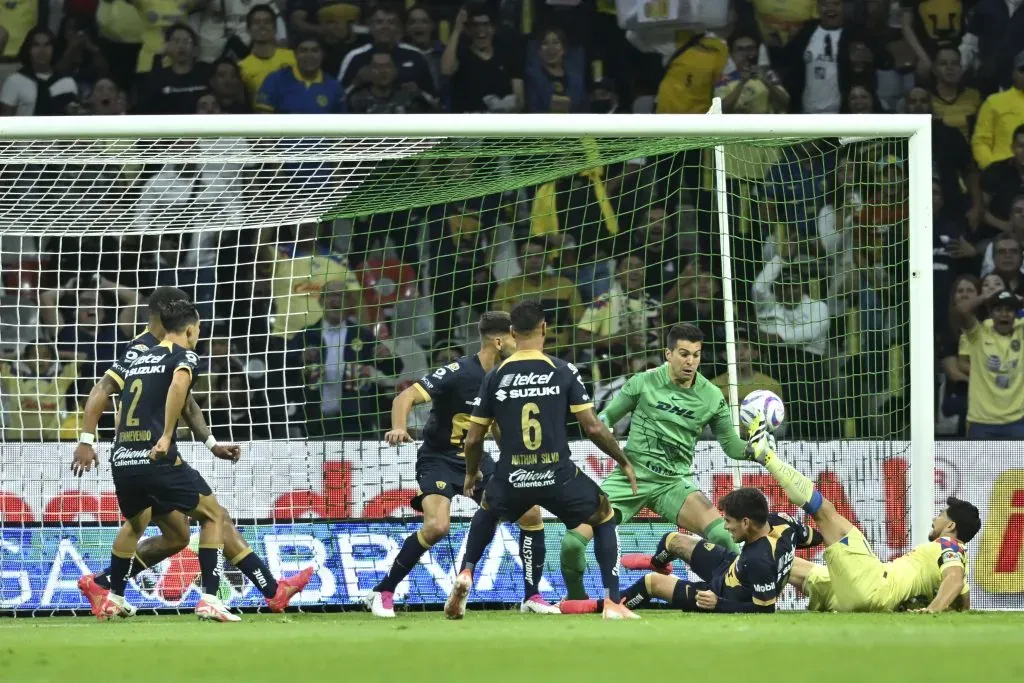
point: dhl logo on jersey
(1000, 563)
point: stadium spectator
(174, 87)
(37, 89)
(953, 255)
(991, 285)
(745, 87)
(222, 29)
(119, 37)
(558, 295)
(696, 298)
(928, 31)
(1016, 231)
(555, 75)
(484, 76)
(265, 55)
(336, 33)
(995, 399)
(88, 331)
(653, 237)
(342, 363)
(994, 34)
(691, 73)
(76, 53)
(36, 390)
(1007, 263)
(323, 18)
(777, 22)
(382, 95)
(421, 29)
(965, 288)
(604, 96)
(303, 88)
(237, 412)
(1003, 180)
(16, 21)
(106, 99)
(999, 121)
(414, 72)
(227, 86)
(749, 375)
(816, 66)
(860, 99)
(794, 329)
(157, 16)
(794, 186)
(953, 102)
(624, 322)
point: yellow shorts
(855, 577)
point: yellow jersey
(157, 16)
(18, 17)
(37, 403)
(615, 313)
(558, 295)
(296, 288)
(959, 112)
(690, 78)
(998, 117)
(778, 20)
(255, 69)
(913, 580)
(995, 392)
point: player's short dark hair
(745, 502)
(494, 323)
(526, 316)
(162, 296)
(256, 9)
(683, 332)
(965, 516)
(178, 314)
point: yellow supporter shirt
(690, 78)
(558, 296)
(998, 117)
(915, 577)
(780, 19)
(157, 16)
(255, 69)
(37, 403)
(755, 382)
(958, 112)
(18, 17)
(615, 313)
(995, 392)
(296, 287)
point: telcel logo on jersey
(532, 379)
(530, 479)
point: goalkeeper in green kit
(671, 406)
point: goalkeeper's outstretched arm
(726, 434)
(623, 404)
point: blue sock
(481, 531)
(814, 504)
(606, 548)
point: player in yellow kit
(930, 578)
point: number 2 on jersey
(532, 432)
(136, 391)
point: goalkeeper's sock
(798, 488)
(211, 561)
(531, 553)
(574, 564)
(639, 593)
(411, 552)
(481, 531)
(606, 548)
(103, 578)
(716, 533)
(119, 571)
(250, 564)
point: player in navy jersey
(441, 464)
(528, 397)
(748, 581)
(173, 525)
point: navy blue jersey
(452, 390)
(144, 342)
(760, 572)
(143, 402)
(530, 396)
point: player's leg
(494, 506)
(697, 514)
(211, 515)
(276, 592)
(606, 549)
(573, 554)
(436, 520)
(532, 553)
(173, 538)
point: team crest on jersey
(452, 366)
(709, 546)
(192, 358)
(441, 486)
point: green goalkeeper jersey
(668, 420)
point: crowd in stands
(616, 253)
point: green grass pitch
(498, 646)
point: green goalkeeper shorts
(663, 495)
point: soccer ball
(768, 403)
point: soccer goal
(336, 260)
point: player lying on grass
(671, 405)
(441, 464)
(173, 525)
(750, 581)
(930, 578)
(529, 396)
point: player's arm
(725, 432)
(176, 395)
(474, 450)
(949, 590)
(95, 404)
(758, 573)
(623, 403)
(400, 409)
(602, 437)
(193, 416)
